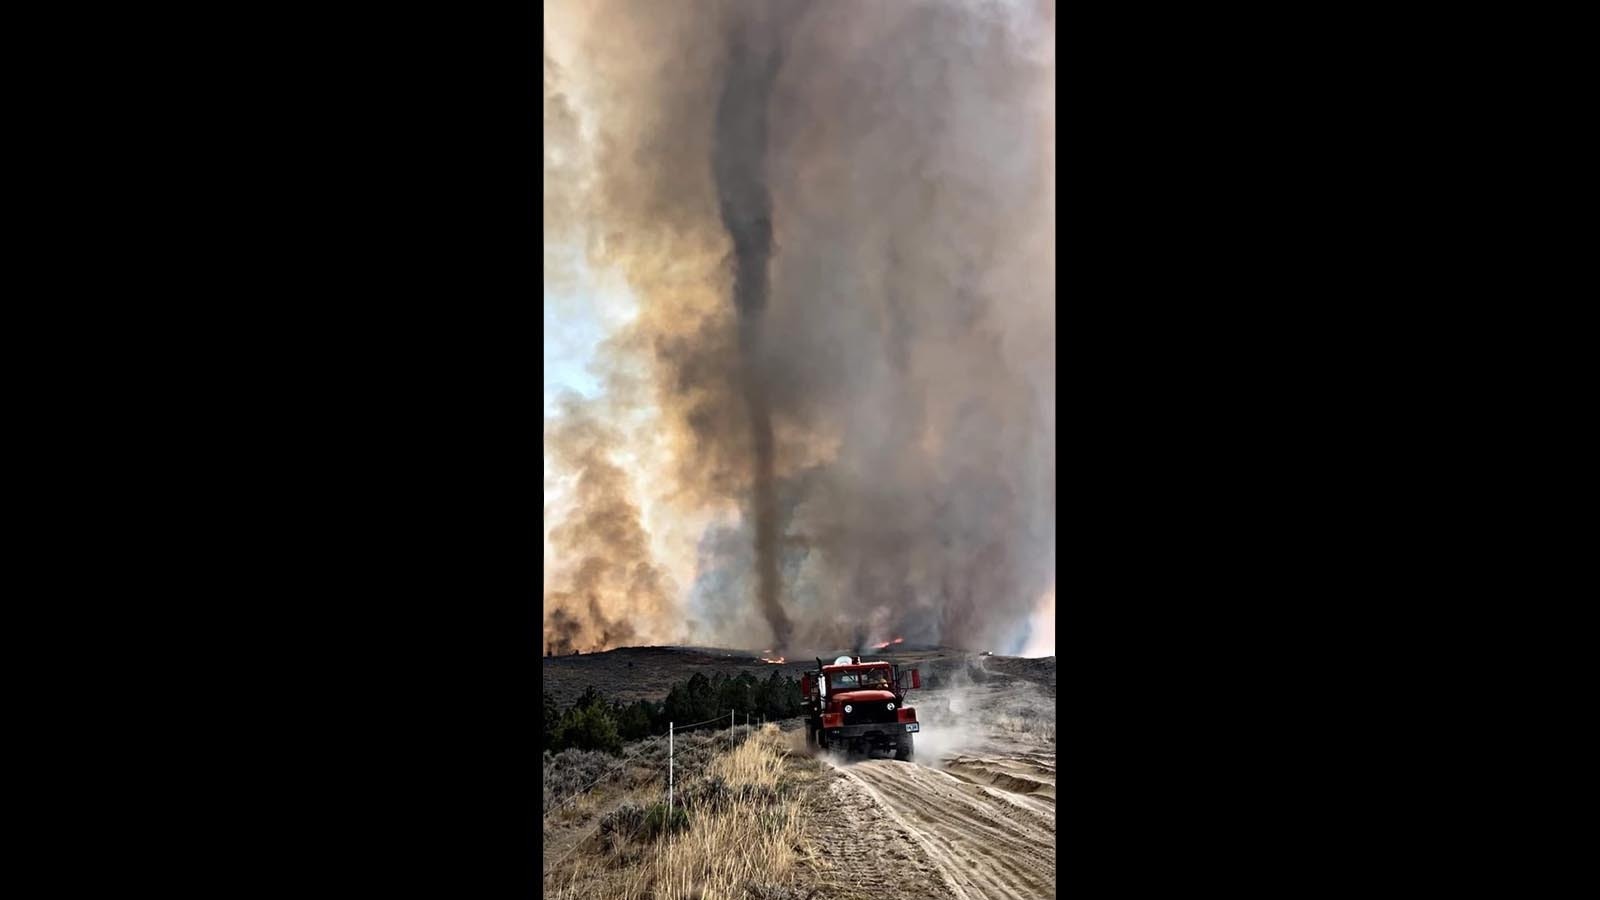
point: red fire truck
(857, 707)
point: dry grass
(747, 840)
(744, 836)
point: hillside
(647, 673)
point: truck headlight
(848, 708)
(891, 706)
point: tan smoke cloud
(905, 349)
(613, 589)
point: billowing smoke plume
(610, 580)
(837, 218)
(739, 163)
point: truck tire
(811, 738)
(904, 750)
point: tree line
(594, 723)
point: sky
(578, 315)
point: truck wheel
(811, 738)
(903, 749)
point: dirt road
(973, 818)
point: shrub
(658, 821)
(633, 721)
(594, 723)
(570, 771)
(552, 719)
(590, 728)
(625, 820)
(709, 795)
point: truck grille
(870, 713)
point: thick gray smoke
(838, 218)
(739, 162)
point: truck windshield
(849, 681)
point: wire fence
(550, 869)
(634, 756)
(746, 719)
(634, 753)
(693, 725)
(631, 755)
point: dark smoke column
(738, 163)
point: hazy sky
(577, 317)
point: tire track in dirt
(975, 820)
(980, 844)
(865, 851)
(1022, 783)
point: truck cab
(857, 707)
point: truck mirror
(805, 685)
(916, 678)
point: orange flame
(885, 644)
(779, 661)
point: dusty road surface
(973, 818)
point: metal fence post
(669, 773)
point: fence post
(730, 729)
(669, 773)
